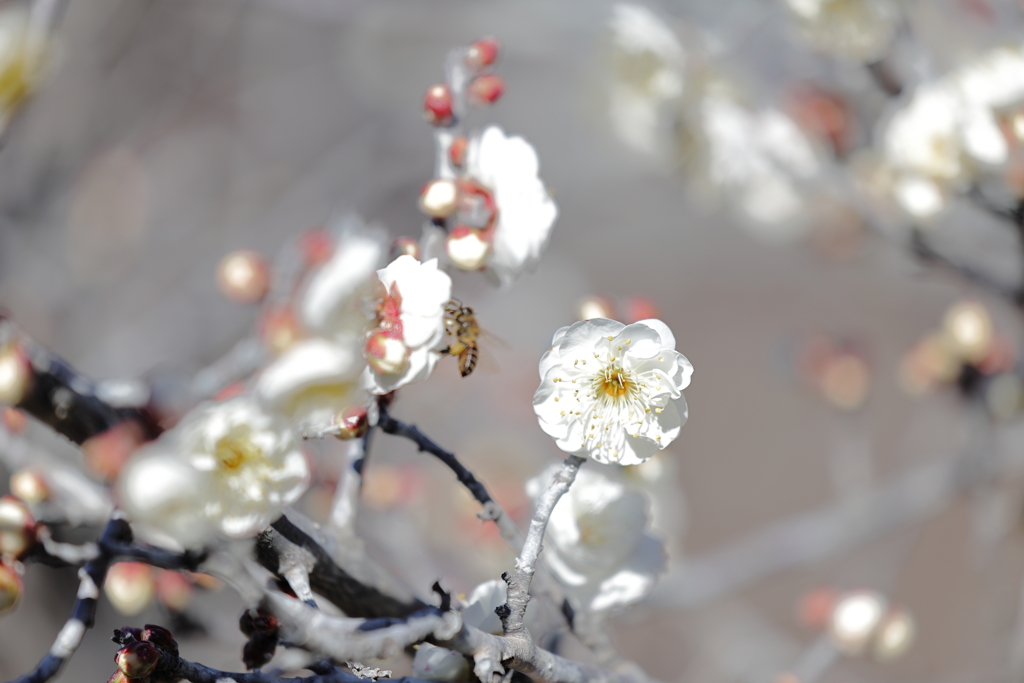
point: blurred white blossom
(647, 62)
(435, 663)
(228, 469)
(858, 29)
(316, 378)
(405, 346)
(505, 213)
(608, 391)
(596, 541)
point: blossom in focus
(647, 63)
(596, 542)
(505, 214)
(858, 29)
(405, 345)
(228, 469)
(609, 391)
(318, 377)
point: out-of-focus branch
(346, 495)
(41, 384)
(491, 510)
(923, 249)
(355, 587)
(83, 614)
(197, 673)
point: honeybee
(460, 323)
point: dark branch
(491, 510)
(59, 396)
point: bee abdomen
(467, 360)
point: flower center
(615, 382)
(232, 452)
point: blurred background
(822, 455)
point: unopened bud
(279, 328)
(405, 246)
(467, 249)
(126, 631)
(385, 354)
(11, 588)
(457, 151)
(482, 53)
(855, 619)
(258, 650)
(317, 246)
(895, 635)
(118, 677)
(14, 420)
(15, 374)
(160, 637)
(129, 587)
(486, 88)
(137, 659)
(437, 105)
(173, 589)
(439, 198)
(244, 276)
(30, 486)
(354, 422)
(596, 307)
(17, 527)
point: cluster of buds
(969, 353)
(385, 351)
(835, 369)
(263, 631)
(440, 104)
(859, 621)
(141, 654)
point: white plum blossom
(947, 131)
(226, 470)
(505, 213)
(317, 377)
(405, 346)
(609, 391)
(760, 160)
(648, 63)
(858, 29)
(596, 543)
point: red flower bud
(437, 105)
(486, 89)
(138, 659)
(457, 151)
(354, 421)
(482, 53)
(162, 638)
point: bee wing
(486, 361)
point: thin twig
(492, 511)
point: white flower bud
(855, 619)
(467, 249)
(17, 527)
(439, 198)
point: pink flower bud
(482, 53)
(129, 587)
(17, 527)
(486, 88)
(162, 638)
(173, 589)
(437, 105)
(11, 588)
(457, 151)
(405, 246)
(244, 276)
(439, 198)
(15, 374)
(467, 248)
(317, 246)
(14, 420)
(354, 421)
(30, 486)
(136, 660)
(386, 354)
